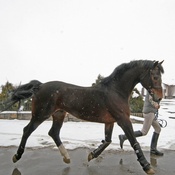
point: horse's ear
(155, 64)
(161, 62)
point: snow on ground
(87, 134)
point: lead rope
(162, 122)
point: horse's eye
(156, 78)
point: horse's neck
(126, 83)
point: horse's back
(60, 84)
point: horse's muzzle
(157, 94)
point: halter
(149, 89)
(151, 84)
(155, 78)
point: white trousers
(149, 120)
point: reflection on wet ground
(64, 172)
(153, 161)
(16, 172)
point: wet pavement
(48, 161)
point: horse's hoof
(14, 159)
(90, 157)
(150, 171)
(66, 160)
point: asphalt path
(48, 161)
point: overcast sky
(75, 40)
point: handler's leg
(155, 137)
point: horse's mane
(118, 71)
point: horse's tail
(20, 93)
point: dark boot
(123, 137)
(154, 150)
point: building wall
(169, 91)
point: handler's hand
(156, 105)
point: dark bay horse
(106, 102)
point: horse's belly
(105, 118)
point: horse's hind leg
(33, 124)
(128, 130)
(105, 143)
(54, 132)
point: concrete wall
(10, 115)
(26, 115)
(14, 115)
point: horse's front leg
(126, 125)
(105, 143)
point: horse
(106, 102)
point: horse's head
(152, 80)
